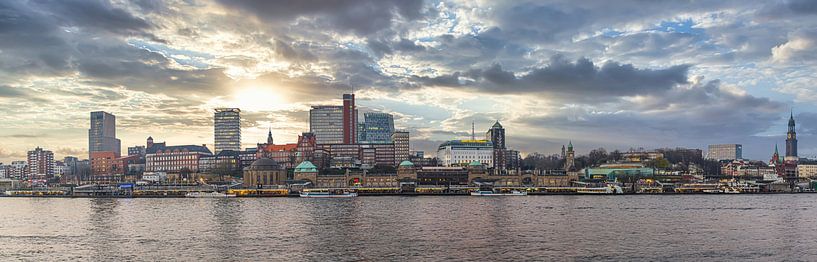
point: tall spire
(775, 149)
(269, 136)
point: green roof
(306, 166)
(475, 163)
(406, 163)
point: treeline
(675, 159)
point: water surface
(633, 227)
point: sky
(612, 74)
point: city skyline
(667, 75)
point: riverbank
(400, 194)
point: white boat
(325, 194)
(600, 190)
(207, 195)
(492, 193)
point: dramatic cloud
(618, 74)
(358, 16)
(800, 47)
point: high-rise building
(725, 152)
(401, 146)
(361, 132)
(497, 137)
(326, 123)
(512, 161)
(349, 119)
(791, 141)
(378, 127)
(40, 163)
(102, 134)
(227, 129)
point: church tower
(569, 164)
(775, 161)
(791, 141)
(269, 137)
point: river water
(579, 228)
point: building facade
(326, 123)
(289, 155)
(350, 155)
(725, 152)
(349, 119)
(807, 169)
(40, 164)
(401, 146)
(102, 134)
(137, 150)
(463, 152)
(378, 127)
(264, 172)
(512, 159)
(497, 137)
(224, 162)
(174, 159)
(227, 129)
(19, 169)
(103, 165)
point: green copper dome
(406, 163)
(306, 167)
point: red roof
(285, 147)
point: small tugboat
(492, 193)
(207, 195)
(327, 194)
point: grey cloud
(800, 47)
(21, 94)
(688, 115)
(142, 70)
(93, 15)
(9, 154)
(291, 53)
(359, 16)
(70, 151)
(381, 47)
(7, 91)
(785, 9)
(581, 78)
(25, 135)
(807, 123)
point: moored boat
(600, 190)
(325, 194)
(207, 195)
(492, 193)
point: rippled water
(677, 227)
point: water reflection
(741, 227)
